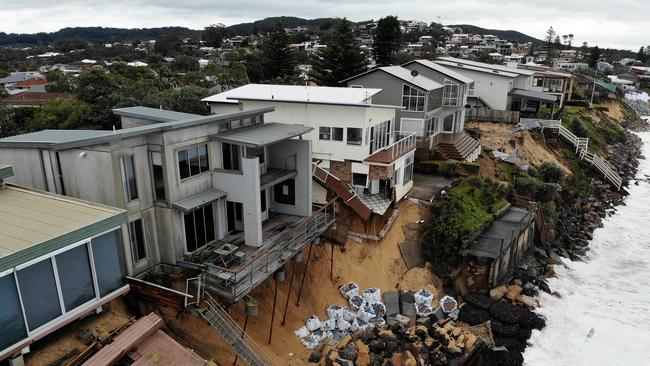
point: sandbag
(313, 323)
(349, 313)
(349, 290)
(310, 342)
(423, 309)
(366, 313)
(423, 297)
(343, 325)
(372, 295)
(328, 325)
(334, 312)
(302, 332)
(448, 304)
(359, 325)
(357, 302)
(379, 309)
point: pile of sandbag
(365, 311)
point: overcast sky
(620, 24)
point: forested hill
(510, 35)
(92, 34)
(267, 24)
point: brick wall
(381, 172)
(342, 170)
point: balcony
(406, 143)
(284, 237)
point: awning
(190, 203)
(534, 95)
(262, 135)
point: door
(234, 216)
(264, 205)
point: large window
(408, 170)
(448, 123)
(199, 227)
(109, 261)
(136, 236)
(193, 161)
(451, 94)
(379, 136)
(39, 293)
(412, 99)
(158, 178)
(75, 277)
(359, 179)
(354, 136)
(252, 152)
(337, 133)
(231, 156)
(11, 315)
(285, 192)
(130, 185)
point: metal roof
(34, 223)
(6, 171)
(535, 95)
(190, 203)
(296, 94)
(485, 66)
(498, 236)
(443, 70)
(68, 139)
(511, 75)
(607, 86)
(405, 74)
(262, 135)
(153, 114)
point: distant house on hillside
(34, 99)
(34, 85)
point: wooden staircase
(457, 146)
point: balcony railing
(405, 142)
(235, 283)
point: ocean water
(603, 317)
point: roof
(68, 139)
(34, 223)
(298, 94)
(146, 344)
(262, 135)
(486, 66)
(6, 171)
(498, 236)
(153, 114)
(607, 86)
(443, 70)
(35, 98)
(404, 74)
(16, 77)
(535, 95)
(30, 82)
(190, 203)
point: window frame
(207, 235)
(347, 136)
(324, 133)
(448, 98)
(135, 250)
(199, 160)
(408, 170)
(408, 98)
(354, 184)
(128, 193)
(334, 133)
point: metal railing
(581, 145)
(406, 143)
(234, 336)
(235, 283)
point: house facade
(188, 183)
(354, 138)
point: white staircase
(582, 148)
(234, 336)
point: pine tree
(594, 57)
(278, 60)
(642, 55)
(387, 40)
(341, 59)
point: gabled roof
(35, 98)
(30, 82)
(443, 70)
(68, 139)
(153, 114)
(481, 66)
(403, 74)
(299, 94)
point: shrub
(578, 128)
(576, 103)
(550, 173)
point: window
(231, 156)
(538, 82)
(199, 227)
(255, 152)
(11, 314)
(379, 136)
(136, 236)
(408, 170)
(39, 292)
(430, 126)
(471, 89)
(193, 161)
(396, 176)
(75, 277)
(448, 123)
(325, 133)
(130, 186)
(109, 261)
(337, 133)
(285, 192)
(450, 94)
(412, 99)
(263, 200)
(158, 178)
(359, 179)
(354, 136)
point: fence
(491, 115)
